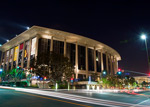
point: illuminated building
(87, 55)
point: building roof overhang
(70, 37)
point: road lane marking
(141, 103)
(55, 99)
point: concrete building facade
(87, 55)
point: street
(12, 98)
(141, 98)
(19, 97)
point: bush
(60, 85)
(34, 86)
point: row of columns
(22, 58)
(112, 62)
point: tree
(4, 76)
(16, 75)
(40, 64)
(112, 81)
(53, 66)
(131, 81)
(94, 76)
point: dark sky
(117, 23)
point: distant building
(87, 55)
(141, 79)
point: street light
(28, 28)
(143, 36)
(1, 70)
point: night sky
(116, 23)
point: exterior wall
(86, 59)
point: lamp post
(144, 38)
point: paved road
(12, 98)
(30, 97)
(140, 98)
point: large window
(81, 77)
(98, 61)
(71, 52)
(91, 59)
(11, 58)
(81, 57)
(104, 61)
(44, 45)
(58, 47)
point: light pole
(144, 38)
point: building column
(102, 64)
(22, 59)
(76, 61)
(5, 58)
(107, 68)
(29, 54)
(65, 44)
(51, 49)
(95, 67)
(111, 66)
(8, 59)
(12, 58)
(86, 61)
(116, 66)
(37, 43)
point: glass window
(81, 57)
(104, 61)
(70, 52)
(91, 59)
(44, 45)
(58, 47)
(98, 61)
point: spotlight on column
(7, 40)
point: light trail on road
(76, 98)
